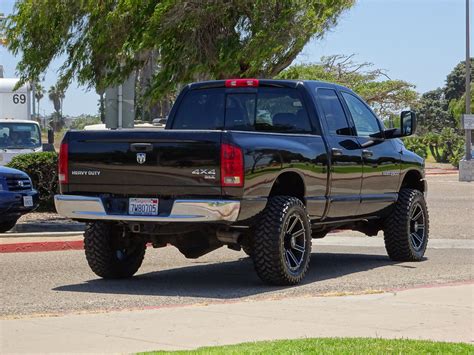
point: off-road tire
(102, 255)
(269, 241)
(397, 227)
(7, 225)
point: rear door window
(269, 109)
(201, 109)
(334, 113)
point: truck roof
(8, 84)
(12, 120)
(268, 82)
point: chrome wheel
(417, 227)
(294, 242)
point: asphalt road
(451, 207)
(58, 282)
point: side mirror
(407, 126)
(407, 123)
(50, 136)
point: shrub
(447, 146)
(43, 171)
(416, 145)
(81, 122)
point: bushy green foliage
(102, 42)
(417, 145)
(43, 171)
(446, 147)
(81, 122)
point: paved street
(57, 282)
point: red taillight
(239, 83)
(232, 165)
(63, 164)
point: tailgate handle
(141, 147)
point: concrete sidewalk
(439, 313)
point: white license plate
(143, 206)
(28, 201)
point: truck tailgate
(147, 162)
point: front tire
(282, 243)
(406, 230)
(110, 253)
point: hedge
(42, 168)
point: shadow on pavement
(226, 280)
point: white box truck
(19, 134)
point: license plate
(143, 206)
(28, 201)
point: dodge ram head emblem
(141, 158)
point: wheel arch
(289, 183)
(414, 179)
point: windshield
(19, 135)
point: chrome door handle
(367, 153)
(336, 152)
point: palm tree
(56, 95)
(39, 94)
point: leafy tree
(457, 107)
(432, 111)
(385, 95)
(104, 41)
(456, 81)
(39, 94)
(86, 120)
(56, 95)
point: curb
(41, 246)
(14, 235)
(48, 227)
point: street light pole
(468, 84)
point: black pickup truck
(258, 165)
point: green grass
(336, 346)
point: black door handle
(336, 152)
(141, 147)
(367, 153)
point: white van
(18, 133)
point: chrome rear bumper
(92, 208)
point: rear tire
(7, 225)
(109, 253)
(406, 230)
(282, 243)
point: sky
(419, 41)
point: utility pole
(468, 83)
(466, 165)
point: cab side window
(365, 121)
(334, 113)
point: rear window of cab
(266, 109)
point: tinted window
(200, 109)
(364, 120)
(281, 110)
(269, 109)
(334, 113)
